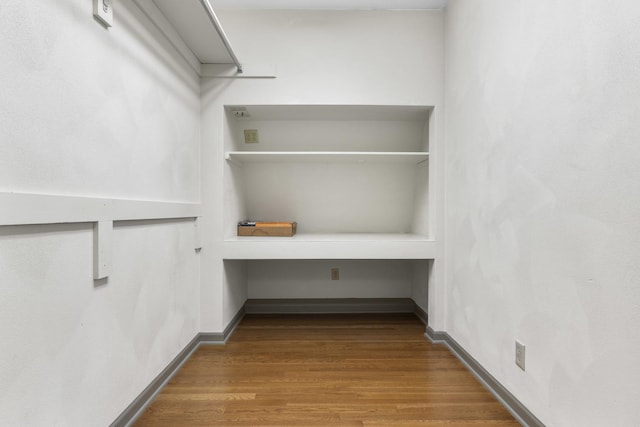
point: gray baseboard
(221, 338)
(329, 306)
(508, 400)
(140, 403)
(144, 399)
(421, 314)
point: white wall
(331, 198)
(312, 279)
(236, 273)
(95, 112)
(420, 276)
(543, 231)
(321, 57)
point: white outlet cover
(103, 11)
(251, 136)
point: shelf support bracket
(102, 248)
(233, 161)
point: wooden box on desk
(275, 229)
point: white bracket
(102, 247)
(233, 161)
(229, 71)
(197, 235)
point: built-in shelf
(358, 170)
(331, 246)
(240, 157)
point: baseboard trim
(144, 399)
(508, 400)
(140, 403)
(421, 314)
(221, 338)
(329, 305)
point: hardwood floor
(325, 370)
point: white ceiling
(330, 4)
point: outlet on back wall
(268, 279)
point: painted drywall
(331, 198)
(543, 231)
(95, 112)
(236, 272)
(106, 113)
(320, 57)
(420, 275)
(312, 279)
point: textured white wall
(236, 272)
(321, 57)
(312, 279)
(543, 231)
(420, 275)
(89, 111)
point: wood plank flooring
(325, 370)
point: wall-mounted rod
(216, 24)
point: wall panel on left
(93, 112)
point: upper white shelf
(197, 25)
(331, 246)
(303, 112)
(326, 156)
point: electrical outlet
(240, 112)
(103, 11)
(251, 136)
(520, 353)
(335, 274)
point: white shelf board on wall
(331, 246)
(19, 209)
(240, 157)
(28, 208)
(325, 112)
